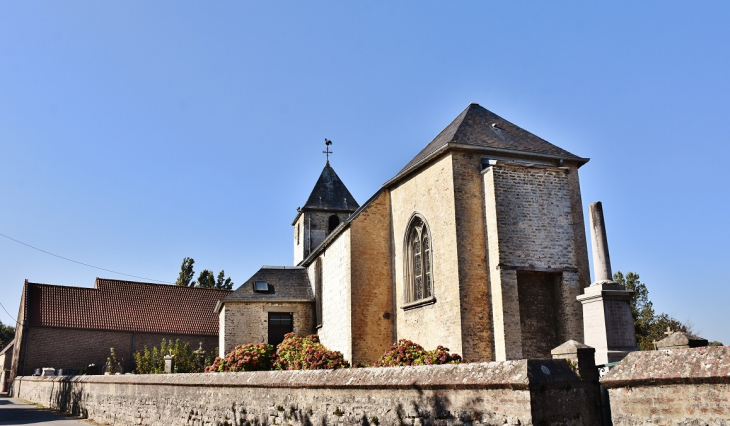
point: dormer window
(261, 287)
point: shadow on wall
(435, 408)
(67, 399)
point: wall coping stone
(519, 375)
(704, 365)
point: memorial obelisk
(607, 321)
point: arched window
(333, 222)
(419, 284)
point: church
(477, 244)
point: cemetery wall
(545, 392)
(671, 386)
(69, 348)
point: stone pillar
(607, 321)
(169, 363)
(599, 242)
(582, 355)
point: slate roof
(478, 127)
(330, 193)
(285, 283)
(125, 306)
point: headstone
(92, 370)
(200, 354)
(680, 340)
(169, 363)
(608, 325)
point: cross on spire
(327, 151)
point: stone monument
(607, 321)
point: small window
(333, 222)
(260, 286)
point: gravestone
(680, 340)
(608, 325)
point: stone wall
(671, 386)
(545, 392)
(77, 348)
(372, 284)
(530, 227)
(247, 322)
(429, 193)
(336, 330)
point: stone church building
(477, 244)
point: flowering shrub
(244, 358)
(306, 353)
(406, 352)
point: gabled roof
(330, 193)
(284, 283)
(478, 127)
(126, 306)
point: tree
(186, 272)
(206, 279)
(7, 334)
(649, 326)
(223, 282)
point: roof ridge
(159, 285)
(478, 128)
(62, 286)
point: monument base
(607, 321)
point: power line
(82, 263)
(11, 317)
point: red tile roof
(125, 305)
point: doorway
(280, 323)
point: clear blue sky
(133, 134)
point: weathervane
(327, 151)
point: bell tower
(329, 204)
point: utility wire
(82, 263)
(12, 317)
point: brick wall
(247, 322)
(77, 348)
(515, 392)
(671, 386)
(372, 291)
(476, 327)
(429, 193)
(336, 330)
(530, 220)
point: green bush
(306, 353)
(186, 360)
(406, 352)
(244, 358)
